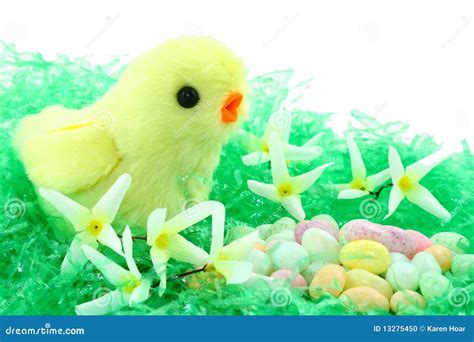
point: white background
(406, 60)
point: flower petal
(75, 213)
(75, 257)
(280, 123)
(377, 179)
(108, 303)
(141, 293)
(109, 204)
(278, 163)
(340, 187)
(304, 181)
(419, 169)
(293, 205)
(396, 196)
(108, 237)
(313, 141)
(352, 193)
(302, 153)
(268, 191)
(255, 158)
(114, 273)
(181, 249)
(395, 164)
(234, 272)
(155, 225)
(194, 215)
(160, 259)
(128, 251)
(357, 163)
(238, 249)
(423, 198)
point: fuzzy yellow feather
(165, 120)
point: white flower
(131, 287)
(285, 189)
(166, 242)
(361, 185)
(92, 226)
(280, 123)
(227, 260)
(406, 183)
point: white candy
(260, 261)
(396, 257)
(403, 275)
(327, 218)
(285, 235)
(426, 262)
(321, 246)
(288, 255)
(310, 271)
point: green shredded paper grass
(31, 251)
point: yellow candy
(330, 278)
(442, 255)
(406, 301)
(358, 278)
(367, 255)
(365, 299)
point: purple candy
(303, 226)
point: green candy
(285, 223)
(237, 232)
(455, 242)
(463, 264)
(433, 284)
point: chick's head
(187, 90)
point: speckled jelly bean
(367, 255)
(403, 275)
(286, 235)
(237, 232)
(288, 255)
(321, 246)
(364, 299)
(327, 218)
(422, 241)
(303, 226)
(262, 230)
(455, 242)
(407, 302)
(425, 262)
(463, 264)
(357, 278)
(433, 284)
(285, 223)
(394, 238)
(442, 255)
(310, 271)
(330, 278)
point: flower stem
(379, 190)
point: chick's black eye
(187, 97)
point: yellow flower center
(162, 241)
(265, 148)
(95, 226)
(285, 189)
(405, 183)
(131, 285)
(358, 184)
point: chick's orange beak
(229, 109)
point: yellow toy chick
(167, 117)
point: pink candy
(296, 279)
(423, 242)
(303, 226)
(394, 238)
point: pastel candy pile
(369, 267)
